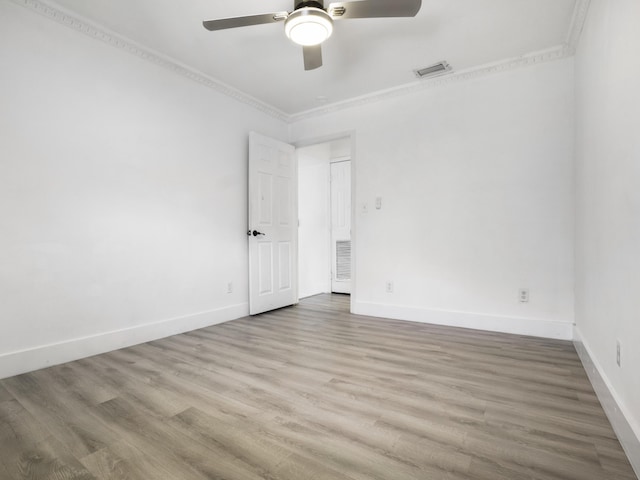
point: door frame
(351, 134)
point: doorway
(324, 212)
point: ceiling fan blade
(312, 57)
(374, 8)
(234, 22)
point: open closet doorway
(324, 212)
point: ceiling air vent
(433, 70)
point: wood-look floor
(313, 393)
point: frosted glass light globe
(309, 26)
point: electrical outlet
(523, 295)
(230, 287)
(389, 286)
(618, 352)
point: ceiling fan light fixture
(308, 26)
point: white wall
(122, 196)
(608, 202)
(314, 234)
(341, 148)
(476, 180)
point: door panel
(265, 262)
(265, 199)
(284, 206)
(273, 233)
(284, 255)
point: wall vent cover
(343, 260)
(439, 68)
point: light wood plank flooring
(313, 393)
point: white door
(273, 226)
(341, 227)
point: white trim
(22, 361)
(556, 53)
(627, 430)
(351, 134)
(577, 23)
(98, 32)
(76, 22)
(477, 321)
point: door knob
(255, 233)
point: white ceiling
(362, 57)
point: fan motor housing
(309, 4)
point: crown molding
(556, 53)
(568, 49)
(118, 41)
(578, 20)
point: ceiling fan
(310, 24)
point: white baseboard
(478, 321)
(15, 363)
(311, 293)
(626, 429)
